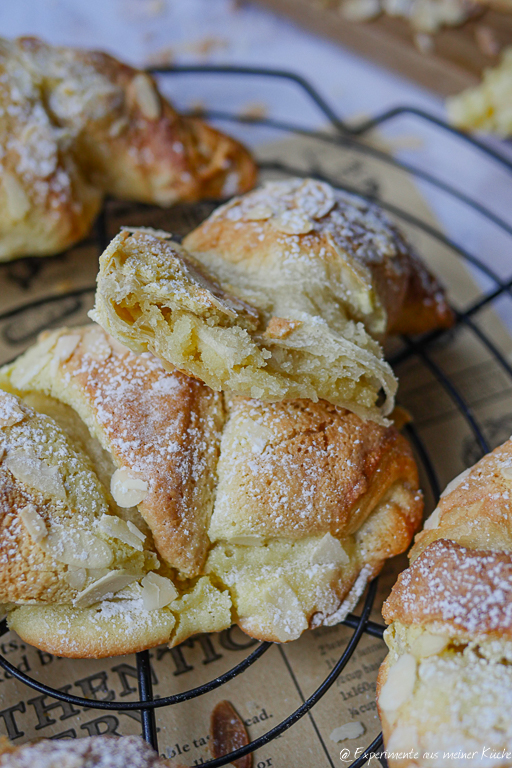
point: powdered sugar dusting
(360, 228)
(92, 752)
(470, 590)
(163, 428)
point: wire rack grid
(420, 349)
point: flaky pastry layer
(281, 294)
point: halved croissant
(280, 294)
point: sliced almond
(27, 367)
(432, 521)
(136, 532)
(351, 730)
(316, 198)
(400, 683)
(258, 213)
(231, 184)
(35, 473)
(81, 549)
(108, 585)
(95, 344)
(453, 484)
(329, 551)
(63, 350)
(97, 573)
(127, 489)
(251, 433)
(228, 733)
(76, 577)
(145, 96)
(286, 617)
(157, 591)
(18, 204)
(119, 529)
(118, 127)
(33, 361)
(293, 223)
(34, 523)
(360, 10)
(10, 411)
(506, 472)
(428, 644)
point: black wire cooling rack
(420, 349)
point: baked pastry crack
(281, 294)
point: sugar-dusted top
(469, 591)
(92, 752)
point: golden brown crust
(475, 509)
(162, 426)
(26, 573)
(461, 562)
(157, 155)
(78, 125)
(87, 634)
(424, 307)
(300, 468)
(469, 591)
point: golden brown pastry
(140, 507)
(91, 752)
(76, 125)
(446, 684)
(332, 247)
(280, 294)
(310, 502)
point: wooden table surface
(455, 63)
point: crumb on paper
(64, 285)
(361, 10)
(207, 45)
(163, 57)
(487, 41)
(350, 730)
(155, 7)
(197, 108)
(357, 118)
(254, 110)
(424, 43)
